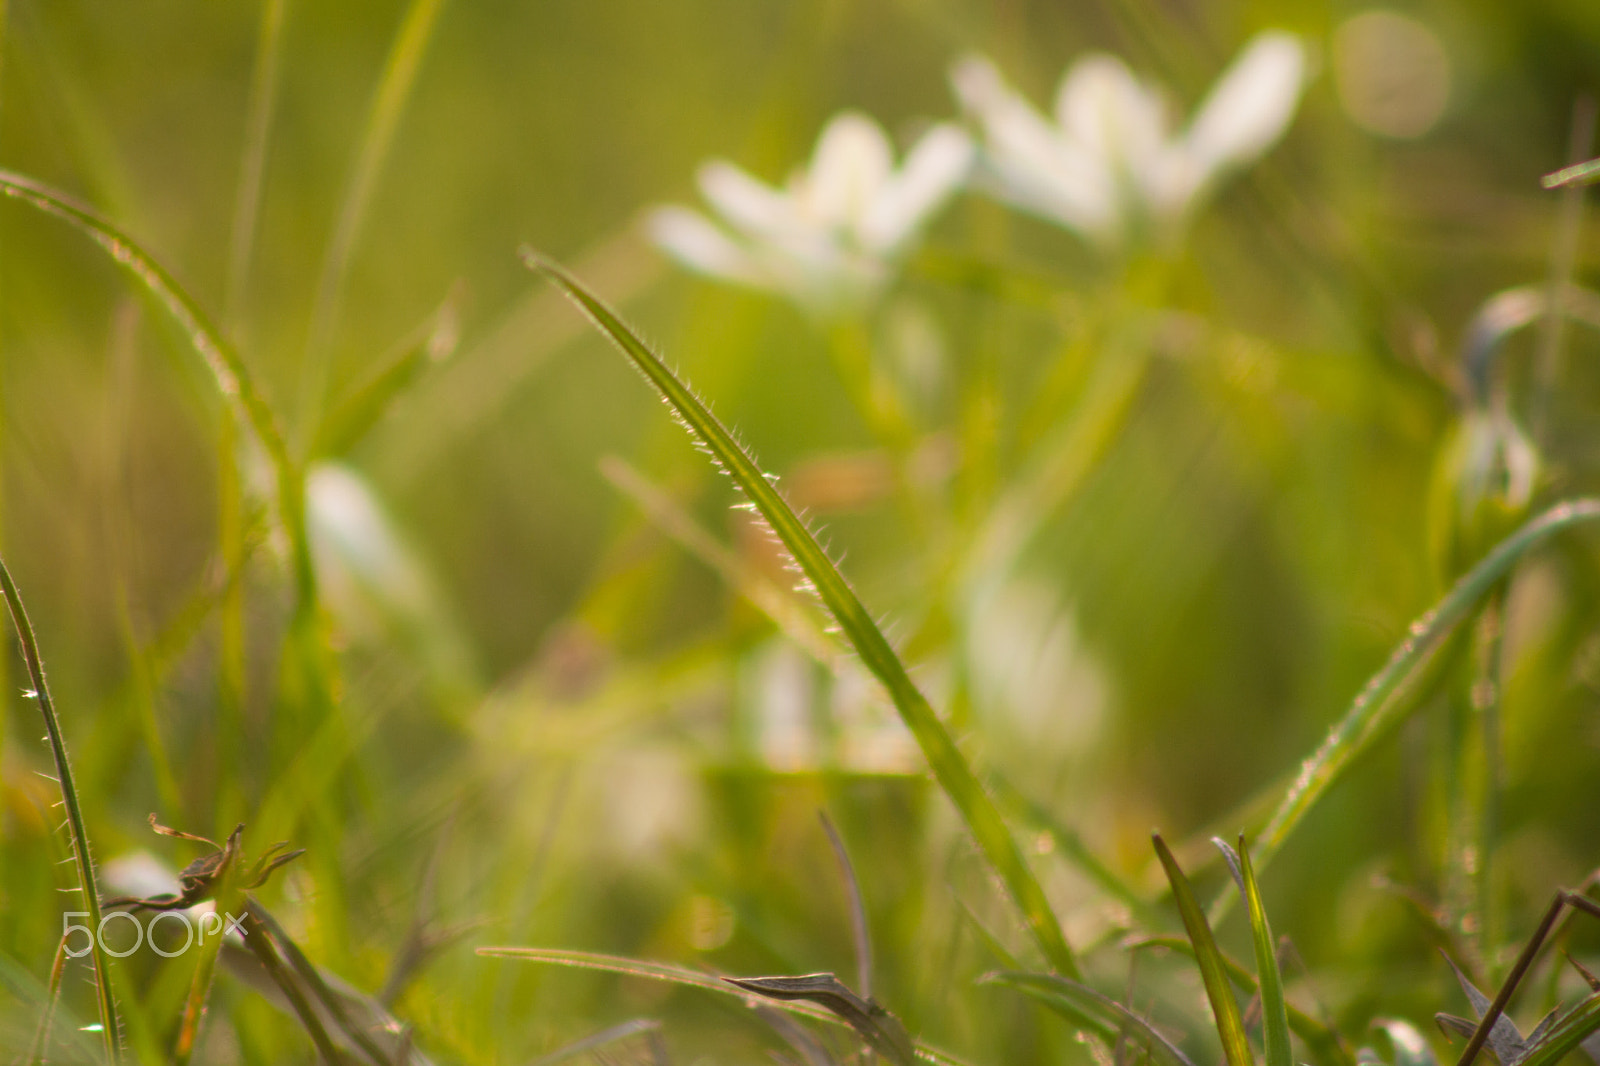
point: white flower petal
(933, 169)
(692, 239)
(1104, 108)
(1034, 165)
(852, 161)
(750, 205)
(1250, 106)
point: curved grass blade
(227, 369)
(232, 378)
(949, 767)
(109, 1027)
(1274, 1011)
(1051, 989)
(680, 975)
(1376, 703)
(1224, 1008)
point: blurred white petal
(828, 238)
(694, 241)
(1108, 163)
(1033, 165)
(851, 163)
(750, 205)
(1251, 106)
(1102, 107)
(933, 170)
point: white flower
(829, 237)
(1108, 165)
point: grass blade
(1224, 1008)
(949, 767)
(110, 1029)
(1375, 704)
(1050, 988)
(394, 89)
(680, 975)
(1274, 1012)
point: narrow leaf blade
(1274, 1012)
(1224, 1008)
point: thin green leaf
(950, 769)
(90, 889)
(1076, 1001)
(1274, 1013)
(1363, 723)
(1224, 1008)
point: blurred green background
(532, 689)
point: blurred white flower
(1109, 166)
(829, 237)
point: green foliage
(1209, 425)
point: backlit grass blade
(680, 975)
(87, 885)
(1053, 990)
(1224, 1008)
(951, 770)
(1375, 704)
(1274, 1012)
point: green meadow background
(507, 705)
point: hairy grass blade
(1363, 722)
(87, 885)
(1052, 990)
(949, 767)
(1274, 1012)
(1224, 1008)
